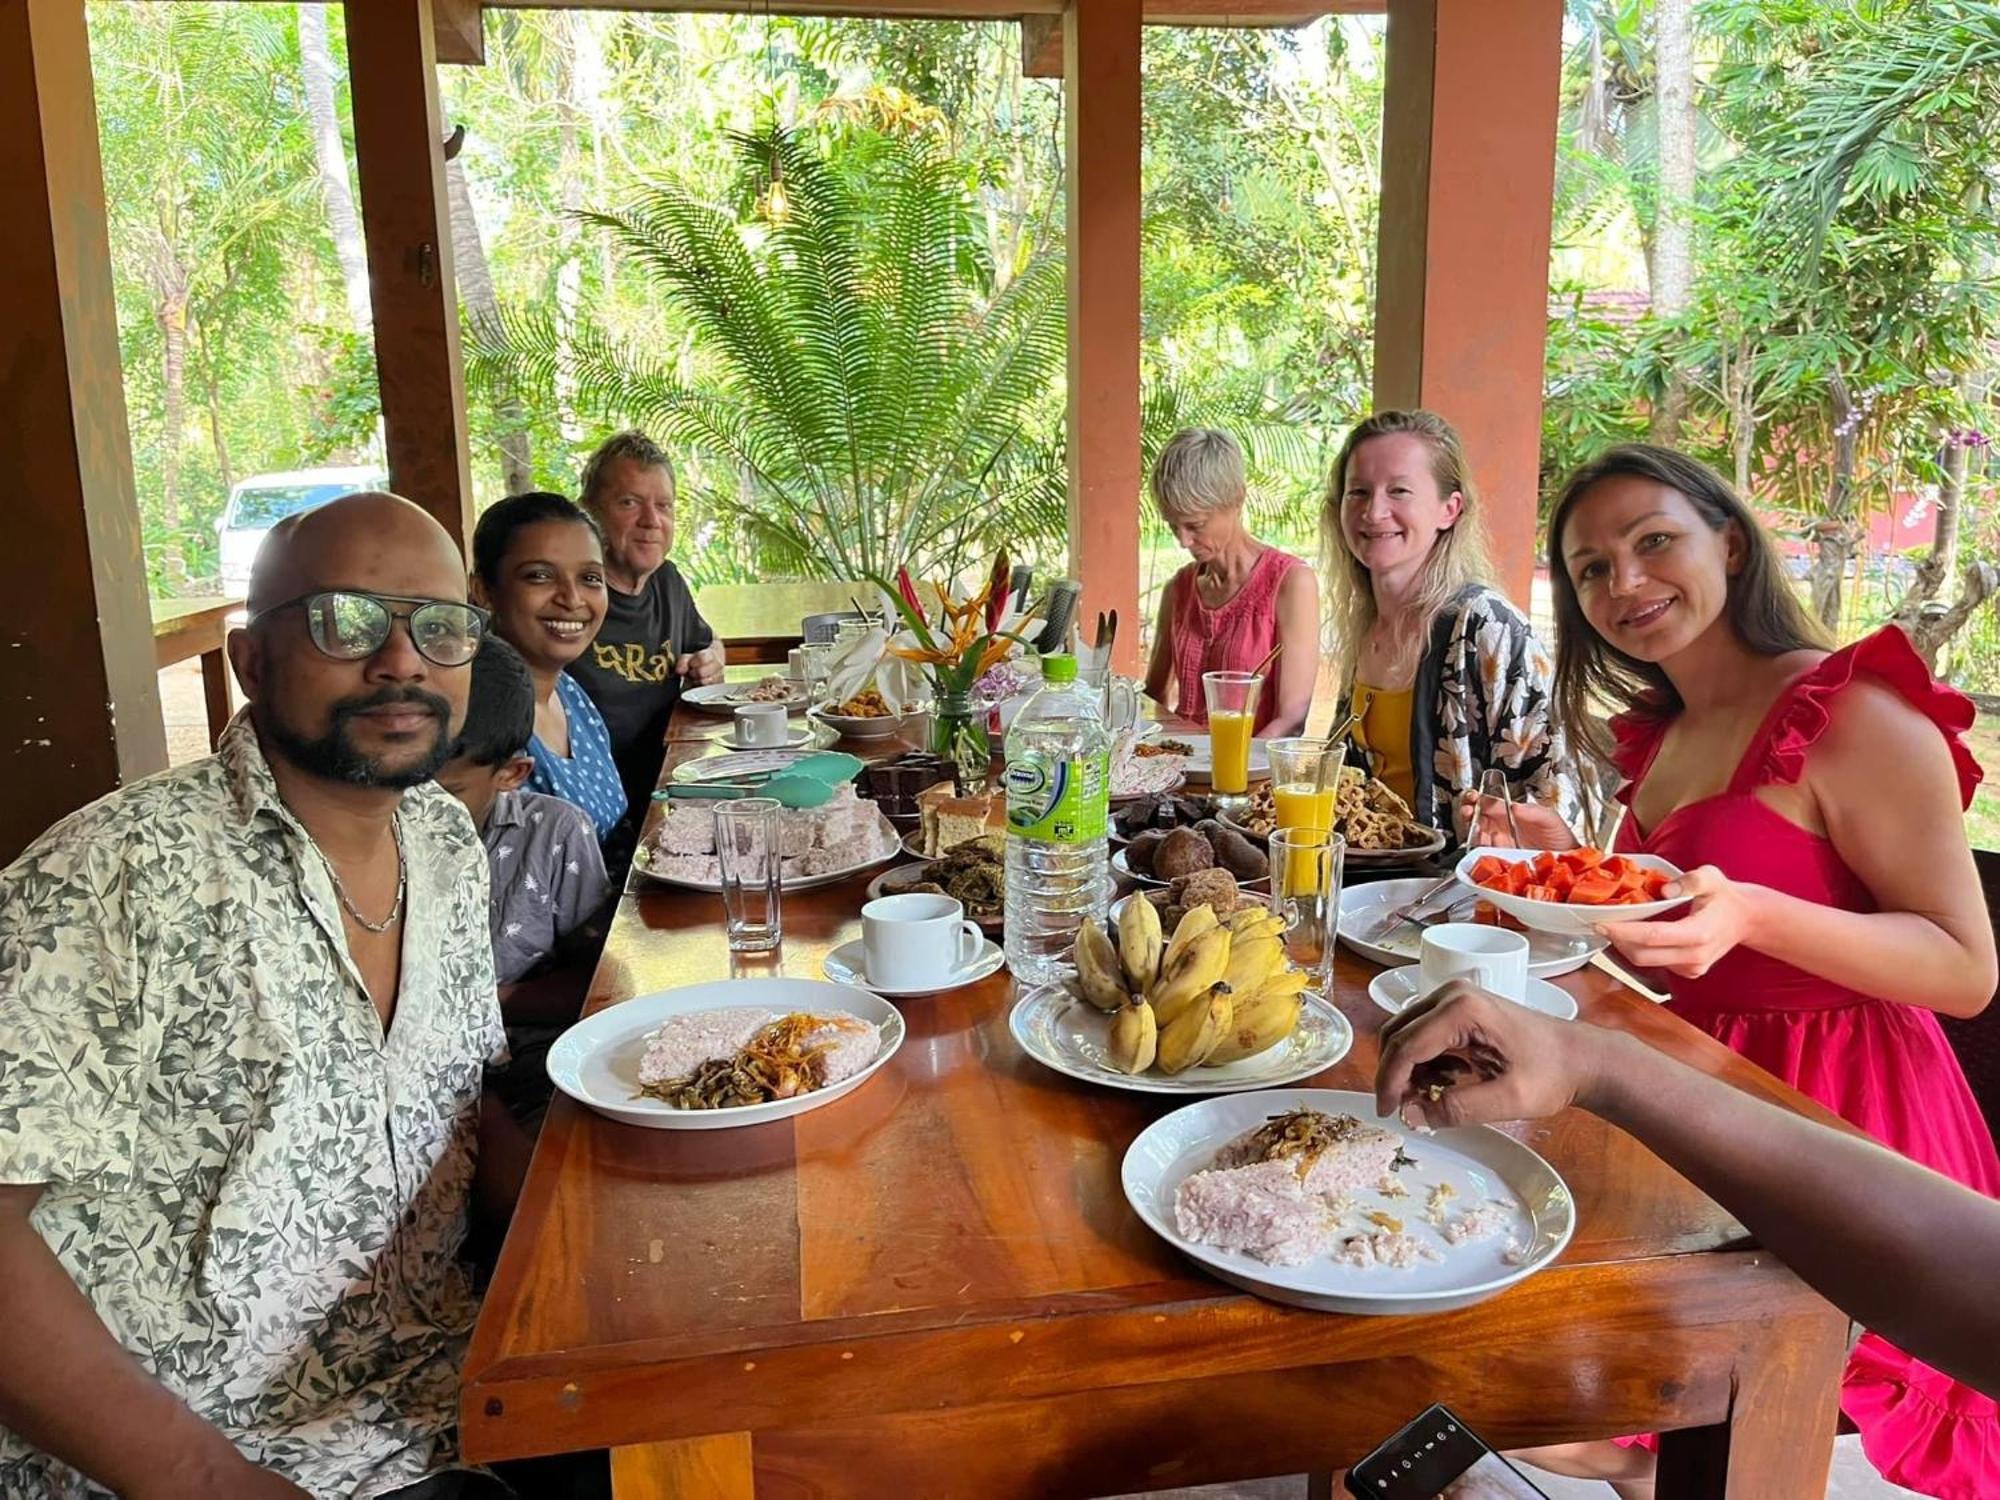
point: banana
(1267, 924)
(1193, 1034)
(1285, 982)
(1185, 976)
(1135, 1038)
(1097, 967)
(1245, 917)
(1194, 922)
(1139, 943)
(1263, 1021)
(1252, 961)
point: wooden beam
(1101, 110)
(399, 158)
(1041, 47)
(79, 696)
(461, 31)
(1461, 306)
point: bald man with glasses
(245, 1011)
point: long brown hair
(1762, 608)
(1457, 557)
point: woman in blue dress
(538, 564)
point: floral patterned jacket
(1481, 701)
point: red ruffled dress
(1883, 1066)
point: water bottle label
(1059, 801)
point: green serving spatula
(806, 783)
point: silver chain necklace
(402, 881)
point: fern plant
(864, 393)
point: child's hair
(500, 709)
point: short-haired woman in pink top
(1224, 611)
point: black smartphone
(1438, 1455)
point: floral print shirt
(1481, 701)
(260, 1192)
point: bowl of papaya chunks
(1569, 891)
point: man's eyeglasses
(348, 625)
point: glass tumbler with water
(1058, 804)
(749, 849)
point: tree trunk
(316, 62)
(482, 311)
(1834, 538)
(1740, 393)
(1673, 234)
(569, 265)
(170, 312)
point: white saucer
(1396, 989)
(795, 739)
(844, 966)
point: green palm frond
(859, 397)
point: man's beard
(334, 756)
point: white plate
(1479, 1162)
(1125, 872)
(737, 766)
(795, 739)
(1362, 907)
(791, 883)
(1560, 916)
(882, 727)
(1069, 1035)
(1394, 990)
(596, 1062)
(1118, 798)
(726, 697)
(1201, 759)
(844, 966)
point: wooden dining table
(934, 1286)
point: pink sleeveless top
(1233, 637)
(1883, 1066)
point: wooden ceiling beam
(1041, 47)
(461, 31)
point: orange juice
(1300, 805)
(1300, 873)
(1229, 745)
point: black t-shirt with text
(629, 673)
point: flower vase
(959, 737)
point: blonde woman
(1224, 611)
(1443, 673)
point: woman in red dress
(1815, 799)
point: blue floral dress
(587, 776)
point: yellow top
(1383, 729)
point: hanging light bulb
(776, 205)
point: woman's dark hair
(499, 709)
(1762, 609)
(495, 532)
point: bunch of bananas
(1221, 991)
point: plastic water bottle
(1058, 805)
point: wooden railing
(196, 627)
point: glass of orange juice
(1302, 784)
(1306, 869)
(1231, 700)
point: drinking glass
(1306, 869)
(750, 851)
(1231, 698)
(815, 670)
(1303, 786)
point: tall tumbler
(749, 848)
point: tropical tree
(860, 394)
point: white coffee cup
(917, 939)
(795, 663)
(1493, 958)
(763, 725)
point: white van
(260, 502)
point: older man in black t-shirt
(653, 638)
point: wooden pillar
(399, 158)
(1101, 105)
(79, 698)
(1461, 302)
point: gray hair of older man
(632, 444)
(1200, 469)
